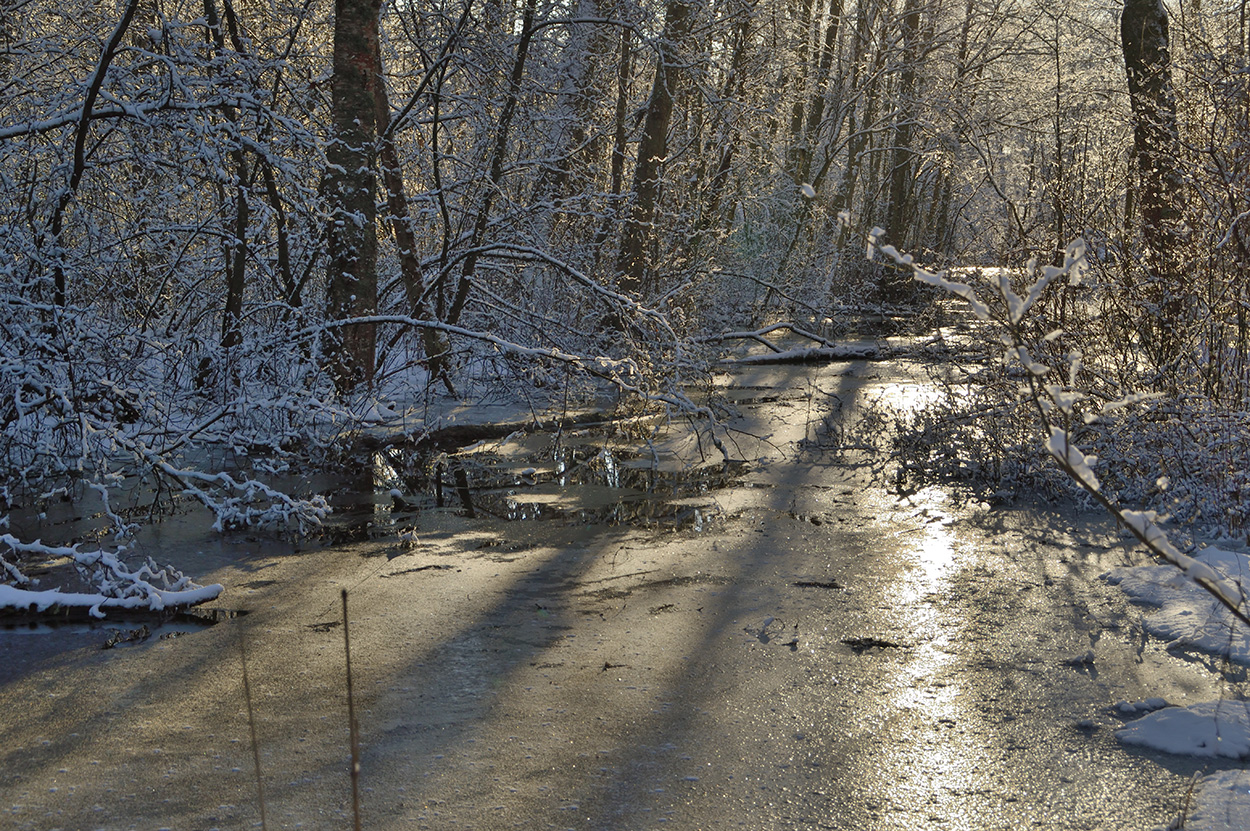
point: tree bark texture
(900, 212)
(1156, 144)
(352, 290)
(633, 265)
(236, 248)
(816, 109)
(620, 135)
(400, 220)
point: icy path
(823, 655)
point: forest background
(231, 230)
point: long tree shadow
(610, 677)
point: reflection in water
(534, 478)
(941, 762)
(570, 482)
(124, 630)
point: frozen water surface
(633, 635)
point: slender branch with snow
(1056, 404)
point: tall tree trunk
(735, 79)
(620, 134)
(899, 213)
(633, 264)
(498, 151)
(79, 165)
(861, 116)
(816, 109)
(1156, 142)
(798, 145)
(236, 248)
(576, 102)
(400, 220)
(349, 351)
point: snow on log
(13, 599)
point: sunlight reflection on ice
(908, 396)
(940, 763)
(934, 552)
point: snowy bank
(1210, 729)
(1220, 802)
(1213, 729)
(1189, 617)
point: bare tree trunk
(400, 220)
(899, 213)
(861, 116)
(79, 165)
(624, 70)
(798, 117)
(236, 248)
(349, 351)
(579, 96)
(735, 79)
(500, 149)
(816, 110)
(1147, 60)
(633, 264)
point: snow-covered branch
(117, 586)
(1056, 403)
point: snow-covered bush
(1071, 405)
(91, 403)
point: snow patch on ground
(1209, 729)
(1189, 617)
(1222, 801)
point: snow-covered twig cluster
(88, 404)
(115, 585)
(247, 503)
(171, 430)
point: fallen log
(812, 354)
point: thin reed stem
(251, 724)
(351, 718)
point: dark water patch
(537, 479)
(349, 530)
(418, 569)
(861, 645)
(121, 630)
(817, 584)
